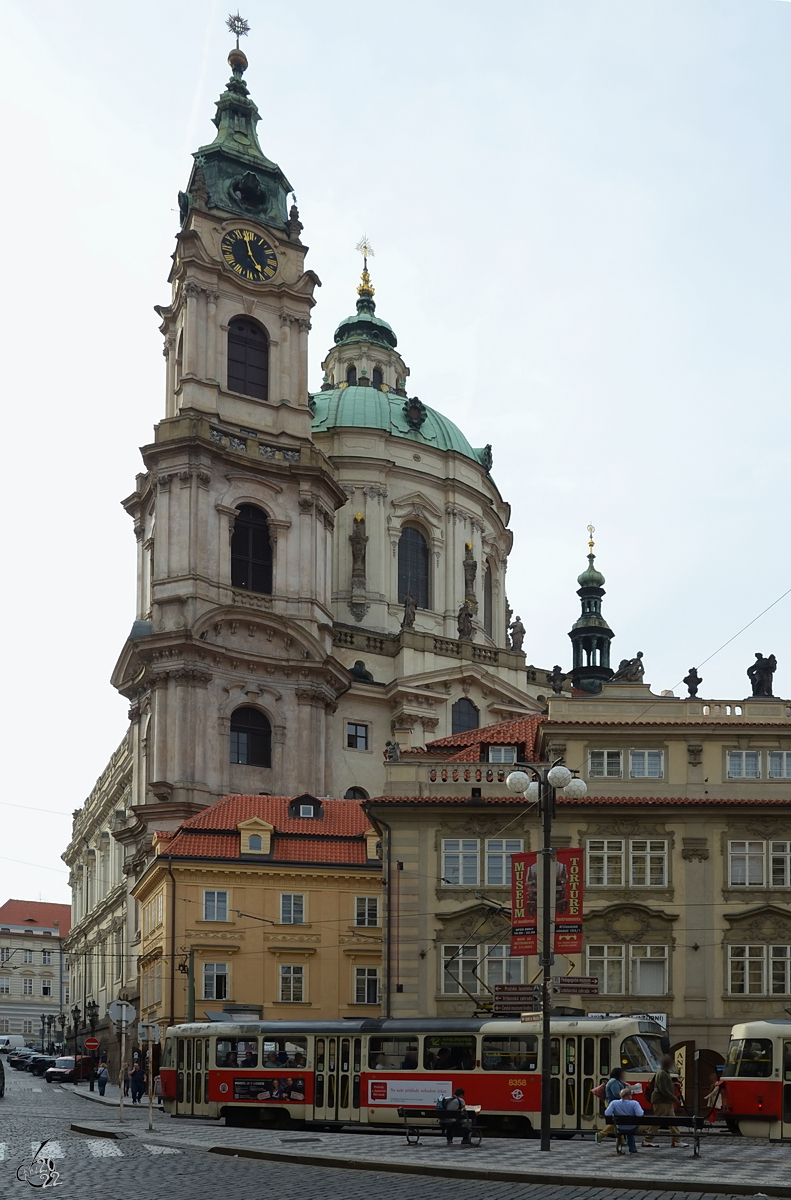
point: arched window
(355, 793)
(254, 843)
(413, 566)
(251, 738)
(251, 551)
(487, 600)
(351, 375)
(378, 378)
(464, 716)
(248, 359)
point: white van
(11, 1041)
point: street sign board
(148, 1030)
(534, 1015)
(516, 991)
(121, 1011)
(574, 989)
(91, 1043)
(587, 981)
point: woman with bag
(102, 1078)
(609, 1091)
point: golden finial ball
(237, 60)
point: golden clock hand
(255, 264)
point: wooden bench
(414, 1132)
(696, 1127)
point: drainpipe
(172, 943)
(383, 829)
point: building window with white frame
(292, 984)
(780, 863)
(649, 970)
(744, 764)
(27, 985)
(502, 754)
(458, 970)
(215, 981)
(460, 861)
(746, 864)
(501, 966)
(604, 764)
(27, 956)
(605, 862)
(356, 736)
(46, 987)
(292, 908)
(215, 906)
(366, 985)
(605, 963)
(5, 954)
(27, 1026)
(5, 985)
(46, 958)
(759, 970)
(780, 764)
(498, 860)
(366, 911)
(646, 764)
(5, 1025)
(648, 862)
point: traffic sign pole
(121, 1073)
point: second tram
(755, 1090)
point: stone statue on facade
(517, 633)
(464, 622)
(693, 681)
(392, 752)
(470, 572)
(358, 543)
(361, 672)
(410, 611)
(556, 679)
(630, 670)
(760, 674)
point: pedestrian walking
(625, 1113)
(126, 1079)
(458, 1123)
(137, 1082)
(615, 1085)
(663, 1103)
(102, 1078)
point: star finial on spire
(365, 290)
(591, 543)
(238, 26)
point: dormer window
(254, 843)
(305, 806)
(306, 810)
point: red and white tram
(756, 1080)
(361, 1071)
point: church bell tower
(228, 667)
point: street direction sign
(91, 1043)
(148, 1030)
(121, 1011)
(575, 989)
(584, 980)
(514, 997)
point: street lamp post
(50, 1025)
(547, 779)
(43, 1033)
(92, 1013)
(63, 1021)
(75, 1024)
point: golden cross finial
(366, 249)
(238, 26)
(591, 531)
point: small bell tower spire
(591, 635)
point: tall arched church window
(487, 600)
(464, 716)
(251, 738)
(251, 551)
(413, 560)
(377, 378)
(351, 375)
(248, 358)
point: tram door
(578, 1064)
(192, 1083)
(337, 1079)
(786, 1089)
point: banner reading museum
(524, 903)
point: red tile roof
(36, 915)
(602, 801)
(521, 732)
(344, 818)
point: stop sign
(91, 1043)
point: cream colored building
(34, 970)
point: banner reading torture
(568, 902)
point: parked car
(2, 1080)
(19, 1060)
(69, 1069)
(41, 1063)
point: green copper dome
(361, 407)
(590, 577)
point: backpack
(440, 1105)
(648, 1090)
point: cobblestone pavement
(168, 1162)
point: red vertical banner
(524, 904)
(568, 902)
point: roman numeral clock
(248, 255)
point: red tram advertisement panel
(755, 1089)
(350, 1072)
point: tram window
(556, 1063)
(445, 1052)
(286, 1052)
(787, 1061)
(604, 1056)
(750, 1057)
(181, 1054)
(198, 1054)
(588, 1059)
(641, 1053)
(392, 1054)
(167, 1057)
(358, 1052)
(345, 1049)
(237, 1052)
(319, 1054)
(510, 1053)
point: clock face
(248, 255)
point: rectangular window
(145, 988)
(646, 764)
(459, 963)
(5, 954)
(747, 970)
(649, 970)
(606, 964)
(215, 981)
(27, 1026)
(460, 861)
(159, 909)
(501, 967)
(356, 736)
(366, 985)
(510, 1053)
(648, 860)
(780, 764)
(366, 911)
(780, 863)
(604, 764)
(27, 986)
(157, 983)
(27, 956)
(46, 958)
(746, 864)
(215, 906)
(498, 860)
(5, 1025)
(392, 1054)
(605, 862)
(292, 984)
(780, 974)
(292, 909)
(502, 754)
(5, 985)
(744, 764)
(46, 987)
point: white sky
(580, 215)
